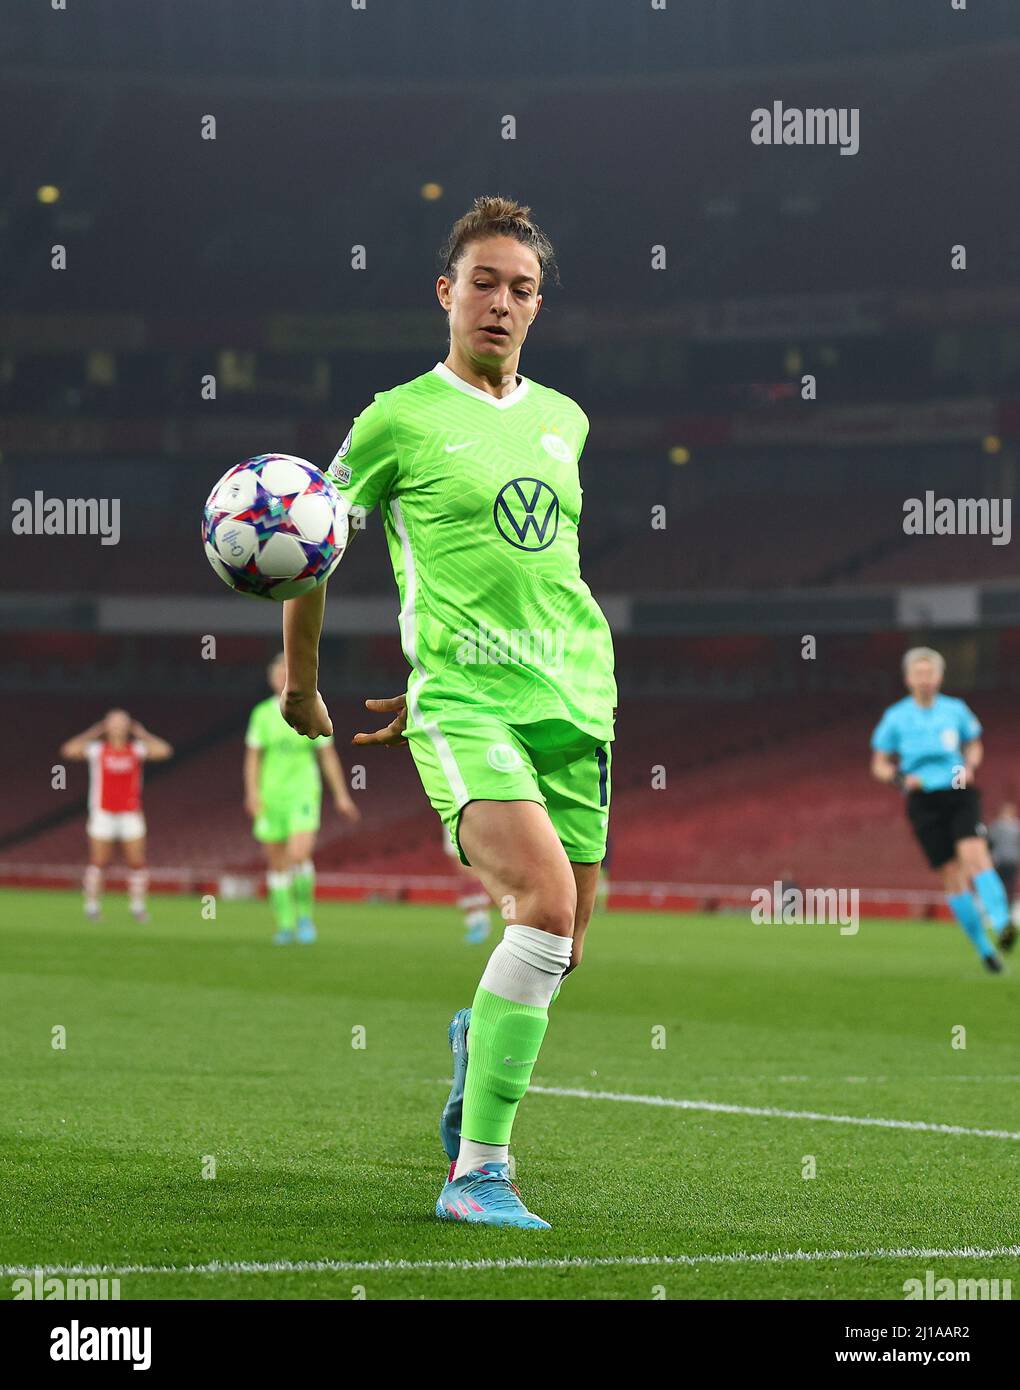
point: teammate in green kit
(510, 702)
(283, 795)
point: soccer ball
(274, 527)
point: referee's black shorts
(941, 819)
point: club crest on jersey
(503, 757)
(527, 513)
(337, 470)
(558, 447)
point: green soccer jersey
(481, 498)
(289, 769)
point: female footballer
(510, 702)
(115, 749)
(283, 796)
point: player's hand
(391, 735)
(346, 807)
(913, 783)
(253, 806)
(306, 713)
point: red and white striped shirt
(115, 776)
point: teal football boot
(487, 1197)
(453, 1110)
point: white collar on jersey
(500, 402)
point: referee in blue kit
(929, 744)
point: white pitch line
(771, 1112)
(965, 1252)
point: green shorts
(282, 818)
(562, 768)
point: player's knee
(954, 877)
(553, 916)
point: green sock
(282, 899)
(304, 887)
(505, 1042)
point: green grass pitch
(190, 1039)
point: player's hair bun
(494, 215)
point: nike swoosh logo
(509, 1062)
(452, 448)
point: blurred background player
(115, 748)
(472, 899)
(1004, 842)
(930, 745)
(283, 796)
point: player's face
(923, 680)
(118, 725)
(492, 301)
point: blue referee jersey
(928, 742)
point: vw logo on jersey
(527, 513)
(556, 445)
(503, 757)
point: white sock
(93, 885)
(138, 883)
(471, 1156)
(526, 966)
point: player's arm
(333, 776)
(252, 768)
(364, 471)
(973, 755)
(157, 750)
(301, 704)
(884, 767)
(76, 749)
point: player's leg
(577, 795)
(586, 881)
(138, 876)
(932, 817)
(472, 899)
(972, 853)
(100, 852)
(514, 850)
(962, 904)
(301, 847)
(1008, 936)
(578, 800)
(1007, 872)
(271, 828)
(278, 885)
(479, 777)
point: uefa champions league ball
(274, 527)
